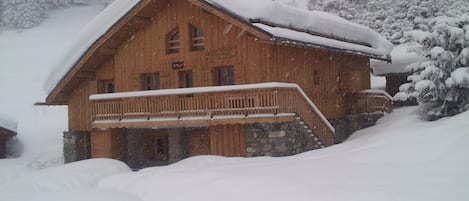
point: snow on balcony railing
(249, 99)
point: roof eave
(287, 41)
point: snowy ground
(402, 158)
(26, 57)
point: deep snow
(401, 158)
(26, 56)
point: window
(197, 38)
(151, 81)
(224, 76)
(185, 79)
(316, 77)
(106, 86)
(156, 147)
(174, 42)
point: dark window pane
(224, 76)
(110, 88)
(175, 36)
(189, 80)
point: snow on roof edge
(289, 36)
(300, 19)
(402, 56)
(91, 33)
(8, 123)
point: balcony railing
(267, 101)
(370, 101)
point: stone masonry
(279, 139)
(179, 147)
(346, 126)
(75, 146)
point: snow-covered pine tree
(441, 81)
(29, 13)
(21, 13)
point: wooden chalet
(178, 78)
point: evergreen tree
(29, 13)
(441, 81)
(21, 13)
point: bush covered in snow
(29, 13)
(440, 82)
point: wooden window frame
(173, 41)
(150, 81)
(106, 86)
(189, 76)
(228, 70)
(197, 38)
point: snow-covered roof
(8, 123)
(401, 58)
(315, 27)
(90, 33)
(281, 22)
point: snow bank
(402, 158)
(272, 12)
(91, 33)
(401, 56)
(69, 177)
(8, 123)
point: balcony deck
(370, 101)
(204, 106)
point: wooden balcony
(204, 106)
(370, 101)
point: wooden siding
(101, 144)
(228, 140)
(110, 143)
(226, 45)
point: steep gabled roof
(297, 27)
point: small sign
(178, 65)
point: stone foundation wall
(179, 147)
(76, 146)
(279, 139)
(346, 126)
